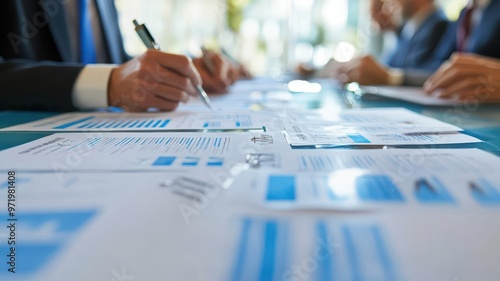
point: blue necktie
(88, 51)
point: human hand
(383, 14)
(221, 79)
(466, 77)
(154, 79)
(241, 72)
(305, 70)
(364, 70)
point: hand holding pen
(184, 82)
(152, 80)
(214, 70)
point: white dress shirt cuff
(396, 77)
(91, 87)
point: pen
(208, 61)
(150, 43)
(230, 57)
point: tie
(464, 28)
(88, 51)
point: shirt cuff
(91, 87)
(396, 77)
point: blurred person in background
(476, 31)
(419, 26)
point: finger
(169, 79)
(341, 71)
(171, 94)
(221, 68)
(461, 86)
(210, 86)
(447, 78)
(162, 104)
(353, 75)
(433, 82)
(178, 63)
(233, 76)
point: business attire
(416, 44)
(483, 39)
(41, 57)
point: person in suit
(65, 55)
(419, 35)
(418, 25)
(417, 38)
(468, 78)
(474, 32)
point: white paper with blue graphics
(129, 122)
(368, 127)
(360, 180)
(362, 139)
(180, 239)
(410, 94)
(362, 121)
(364, 190)
(200, 152)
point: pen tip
(135, 22)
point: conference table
(480, 121)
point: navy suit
(38, 67)
(414, 52)
(484, 40)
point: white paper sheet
(196, 152)
(369, 121)
(173, 121)
(360, 139)
(363, 190)
(402, 162)
(145, 236)
(409, 94)
(357, 179)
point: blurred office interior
(269, 36)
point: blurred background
(270, 36)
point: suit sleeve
(437, 35)
(46, 86)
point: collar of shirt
(414, 23)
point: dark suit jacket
(484, 40)
(413, 53)
(38, 68)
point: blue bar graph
(281, 188)
(484, 193)
(266, 250)
(106, 123)
(377, 188)
(215, 162)
(358, 139)
(35, 253)
(71, 124)
(164, 161)
(191, 161)
(165, 123)
(432, 191)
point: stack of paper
(388, 126)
